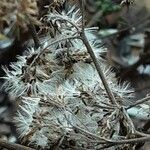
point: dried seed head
(60, 92)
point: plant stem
(33, 32)
(34, 35)
(145, 99)
(98, 68)
(13, 146)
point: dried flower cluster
(62, 101)
(14, 12)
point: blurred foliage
(14, 14)
(107, 6)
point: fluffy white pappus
(30, 51)
(38, 118)
(91, 82)
(68, 118)
(47, 87)
(91, 33)
(24, 115)
(31, 127)
(14, 83)
(37, 122)
(85, 73)
(95, 43)
(57, 43)
(72, 15)
(80, 97)
(67, 30)
(125, 92)
(19, 82)
(70, 95)
(122, 91)
(13, 77)
(39, 139)
(69, 88)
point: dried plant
(67, 93)
(15, 13)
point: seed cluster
(61, 97)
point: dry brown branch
(129, 141)
(116, 142)
(145, 99)
(99, 70)
(33, 33)
(13, 146)
(90, 51)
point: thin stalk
(13, 146)
(98, 68)
(145, 99)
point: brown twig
(82, 8)
(90, 51)
(132, 141)
(98, 68)
(110, 141)
(128, 141)
(141, 134)
(146, 127)
(33, 32)
(145, 99)
(13, 146)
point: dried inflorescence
(15, 13)
(62, 99)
